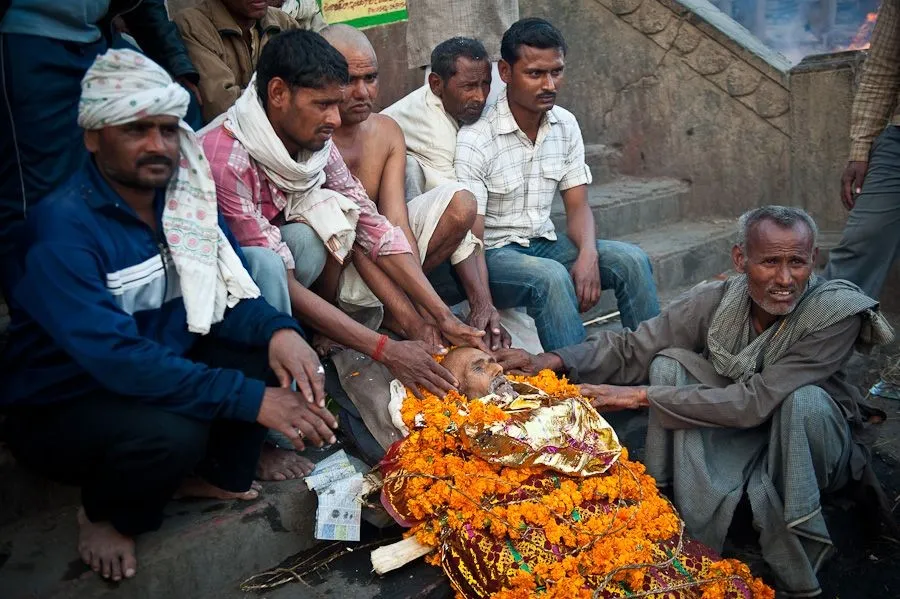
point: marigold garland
(449, 490)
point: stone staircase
(648, 212)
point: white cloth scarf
(123, 86)
(332, 215)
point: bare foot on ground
(108, 552)
(325, 346)
(197, 488)
(282, 464)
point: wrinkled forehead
(769, 237)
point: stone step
(686, 252)
(202, 547)
(629, 205)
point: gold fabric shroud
(565, 435)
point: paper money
(338, 486)
(339, 513)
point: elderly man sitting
(137, 365)
(745, 392)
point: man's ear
(279, 93)
(436, 84)
(738, 259)
(92, 141)
(505, 70)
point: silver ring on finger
(320, 370)
(300, 434)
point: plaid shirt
(514, 180)
(253, 206)
(879, 84)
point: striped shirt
(253, 206)
(514, 180)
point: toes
(116, 568)
(107, 570)
(129, 565)
(256, 485)
(251, 494)
(95, 562)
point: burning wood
(860, 41)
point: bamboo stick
(391, 557)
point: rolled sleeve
(374, 233)
(577, 172)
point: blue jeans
(537, 278)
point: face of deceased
(478, 373)
(778, 262)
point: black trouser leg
(128, 457)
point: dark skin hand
(486, 318)
(288, 413)
(519, 361)
(429, 374)
(852, 182)
(291, 358)
(612, 398)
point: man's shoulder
(278, 19)
(223, 151)
(566, 118)
(483, 130)
(63, 211)
(384, 125)
(410, 101)
(194, 18)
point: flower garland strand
(448, 490)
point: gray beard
(501, 386)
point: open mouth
(501, 386)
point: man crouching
(136, 366)
(746, 393)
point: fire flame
(860, 41)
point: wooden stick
(391, 557)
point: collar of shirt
(225, 23)
(436, 104)
(506, 122)
(99, 194)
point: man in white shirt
(514, 159)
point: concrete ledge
(202, 547)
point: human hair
(444, 55)
(533, 32)
(302, 59)
(783, 216)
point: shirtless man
(437, 223)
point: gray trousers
(871, 239)
(783, 466)
(267, 267)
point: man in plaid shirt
(514, 159)
(870, 185)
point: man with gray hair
(746, 396)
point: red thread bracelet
(382, 341)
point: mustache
(547, 96)
(155, 159)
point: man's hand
(286, 412)
(191, 87)
(486, 317)
(458, 333)
(611, 398)
(413, 364)
(586, 277)
(519, 361)
(852, 182)
(291, 358)
(429, 334)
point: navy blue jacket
(101, 311)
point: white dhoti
(425, 211)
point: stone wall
(678, 97)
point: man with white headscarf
(142, 350)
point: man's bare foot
(325, 346)
(281, 464)
(108, 552)
(197, 488)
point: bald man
(437, 223)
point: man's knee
(664, 371)
(552, 279)
(170, 440)
(812, 407)
(263, 263)
(461, 212)
(626, 259)
(308, 250)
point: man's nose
(549, 83)
(494, 369)
(783, 276)
(333, 117)
(359, 90)
(154, 141)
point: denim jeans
(537, 278)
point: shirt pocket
(505, 193)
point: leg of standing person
(870, 243)
(40, 140)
